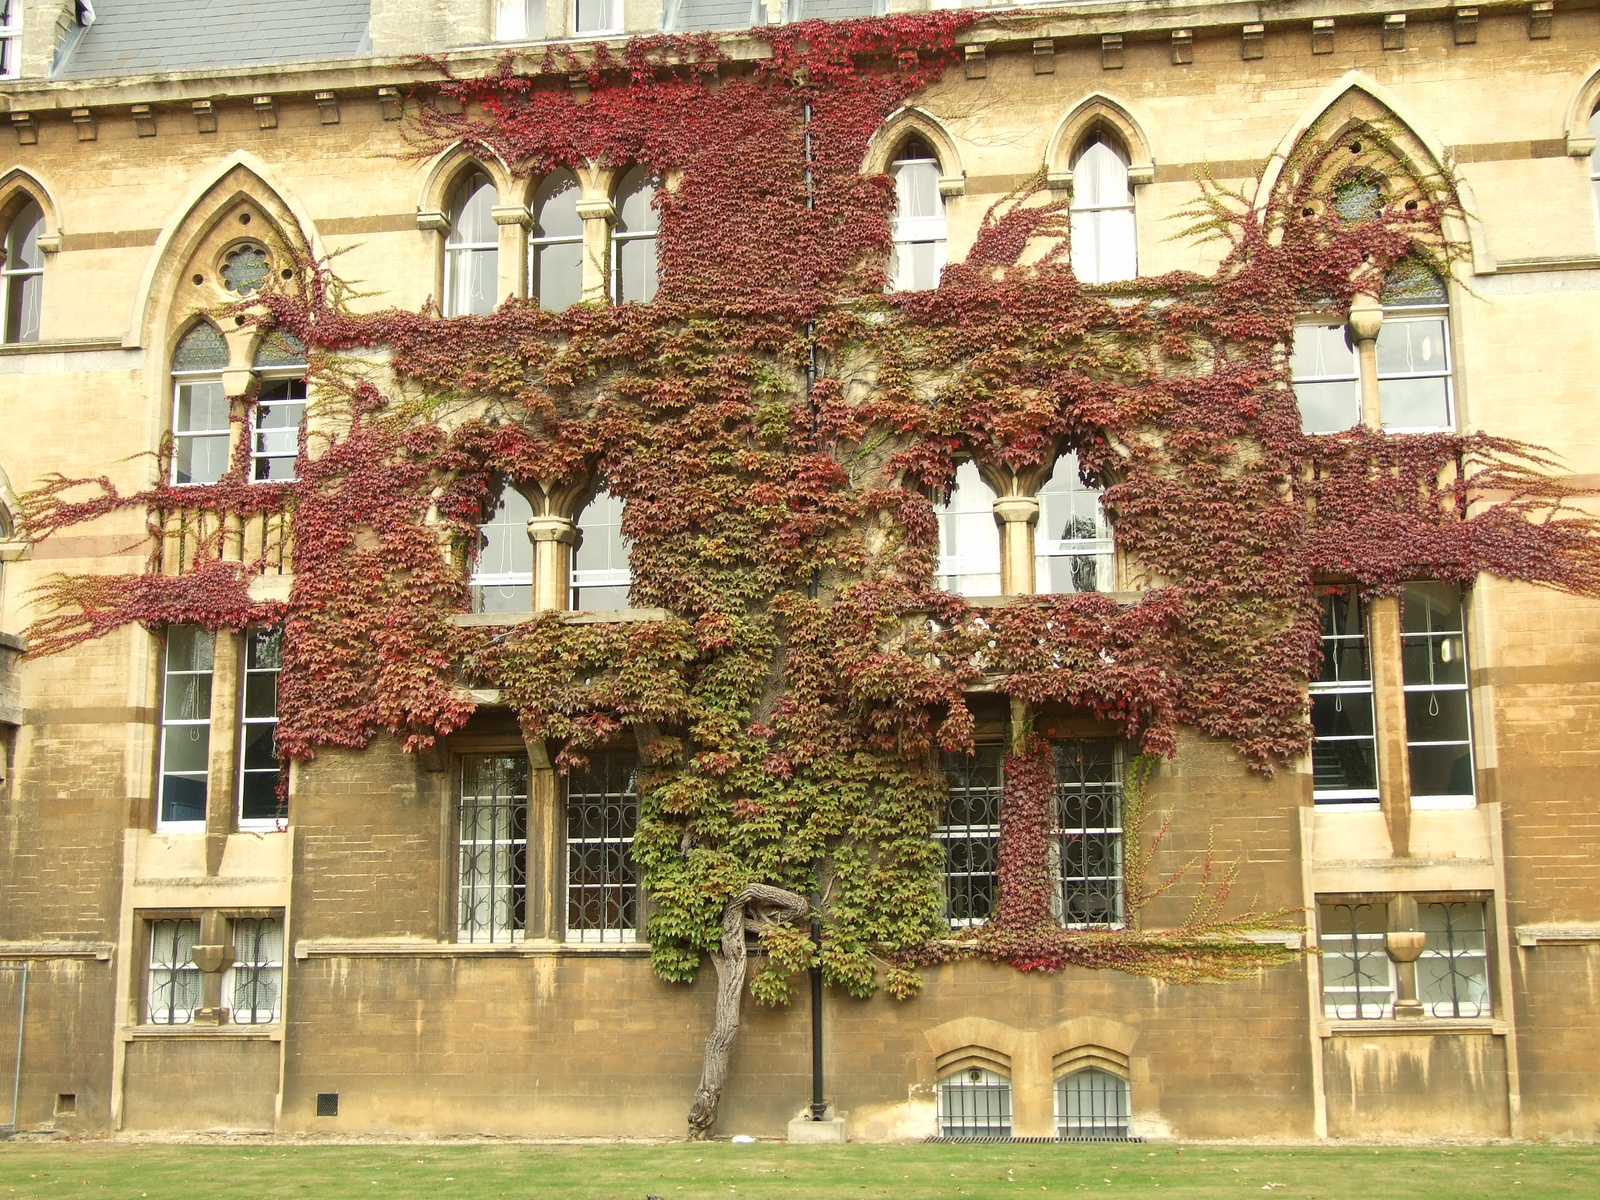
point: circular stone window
(245, 269)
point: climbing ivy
(790, 708)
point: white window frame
(1097, 1125)
(503, 579)
(1441, 950)
(10, 39)
(621, 236)
(911, 231)
(968, 562)
(519, 20)
(1424, 801)
(180, 380)
(455, 251)
(1416, 314)
(246, 722)
(1100, 548)
(600, 576)
(1075, 208)
(267, 377)
(163, 825)
(613, 19)
(983, 1084)
(1352, 378)
(537, 242)
(10, 271)
(1594, 172)
(1348, 799)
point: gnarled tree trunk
(771, 906)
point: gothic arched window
(502, 569)
(23, 275)
(635, 272)
(199, 407)
(555, 246)
(969, 539)
(1104, 238)
(1073, 551)
(918, 224)
(472, 249)
(601, 574)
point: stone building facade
(198, 956)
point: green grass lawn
(769, 1171)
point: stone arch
(1357, 101)
(1098, 112)
(445, 171)
(902, 124)
(1090, 1042)
(238, 183)
(20, 185)
(973, 1041)
(1584, 102)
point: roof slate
(135, 37)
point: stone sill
(57, 345)
(1400, 1027)
(611, 616)
(229, 1033)
(541, 948)
(1558, 933)
(18, 950)
(1521, 266)
(1125, 598)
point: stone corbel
(144, 120)
(49, 243)
(511, 214)
(597, 210)
(27, 128)
(1580, 145)
(266, 111)
(952, 185)
(327, 107)
(236, 382)
(88, 128)
(433, 222)
(390, 103)
(553, 529)
(15, 550)
(205, 116)
(212, 957)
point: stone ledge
(13, 349)
(1401, 1026)
(96, 950)
(611, 616)
(1558, 933)
(330, 948)
(231, 1033)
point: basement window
(975, 1102)
(1358, 977)
(1092, 1105)
(174, 982)
(1453, 972)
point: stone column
(547, 859)
(1366, 318)
(553, 539)
(1405, 945)
(222, 771)
(1017, 516)
(213, 954)
(513, 221)
(1389, 712)
(598, 217)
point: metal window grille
(186, 725)
(1075, 551)
(1344, 746)
(256, 981)
(969, 541)
(502, 569)
(601, 574)
(1453, 972)
(275, 430)
(175, 990)
(1433, 655)
(22, 273)
(494, 848)
(975, 1103)
(602, 880)
(1088, 832)
(1092, 1105)
(969, 831)
(262, 797)
(1358, 977)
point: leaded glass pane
(245, 269)
(201, 349)
(280, 349)
(1358, 200)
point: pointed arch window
(969, 539)
(1104, 237)
(1594, 165)
(502, 569)
(22, 274)
(1324, 371)
(1415, 392)
(199, 407)
(280, 411)
(601, 575)
(635, 272)
(918, 224)
(1074, 547)
(472, 249)
(555, 246)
